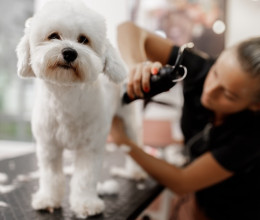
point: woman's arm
(138, 45)
(144, 52)
(203, 172)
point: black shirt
(235, 145)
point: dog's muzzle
(69, 54)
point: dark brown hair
(248, 53)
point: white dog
(66, 49)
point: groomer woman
(220, 122)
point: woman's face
(227, 89)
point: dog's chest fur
(74, 116)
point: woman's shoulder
(197, 63)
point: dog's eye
(54, 36)
(83, 39)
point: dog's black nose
(69, 54)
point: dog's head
(66, 43)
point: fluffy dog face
(66, 43)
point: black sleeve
(173, 55)
(239, 153)
(194, 116)
(196, 62)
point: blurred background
(211, 24)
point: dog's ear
(114, 67)
(24, 68)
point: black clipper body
(161, 82)
(165, 79)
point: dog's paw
(84, 207)
(41, 201)
(135, 174)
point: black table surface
(127, 204)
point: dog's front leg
(51, 180)
(84, 200)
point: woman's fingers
(146, 74)
(150, 68)
(139, 78)
(130, 85)
(155, 67)
(137, 81)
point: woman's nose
(212, 88)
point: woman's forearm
(137, 44)
(131, 41)
(203, 172)
(165, 173)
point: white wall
(114, 11)
(243, 20)
(243, 17)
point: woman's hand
(117, 132)
(139, 78)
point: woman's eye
(229, 97)
(215, 73)
(54, 36)
(83, 39)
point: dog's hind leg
(84, 200)
(131, 115)
(51, 178)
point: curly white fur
(77, 98)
